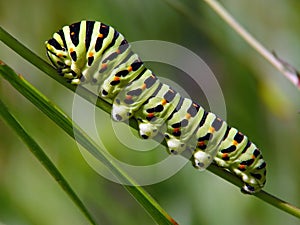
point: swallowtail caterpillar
(136, 92)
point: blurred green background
(259, 101)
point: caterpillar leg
(148, 130)
(201, 160)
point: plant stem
(288, 71)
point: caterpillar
(135, 91)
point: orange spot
(128, 97)
(235, 143)
(225, 155)
(188, 116)
(116, 78)
(176, 129)
(118, 51)
(91, 54)
(71, 50)
(253, 157)
(164, 101)
(72, 33)
(201, 143)
(103, 66)
(150, 114)
(59, 55)
(242, 167)
(143, 87)
(211, 129)
(100, 35)
(129, 68)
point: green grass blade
(38, 152)
(64, 122)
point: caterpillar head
(120, 112)
(148, 130)
(59, 57)
(202, 160)
(58, 54)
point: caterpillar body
(136, 92)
